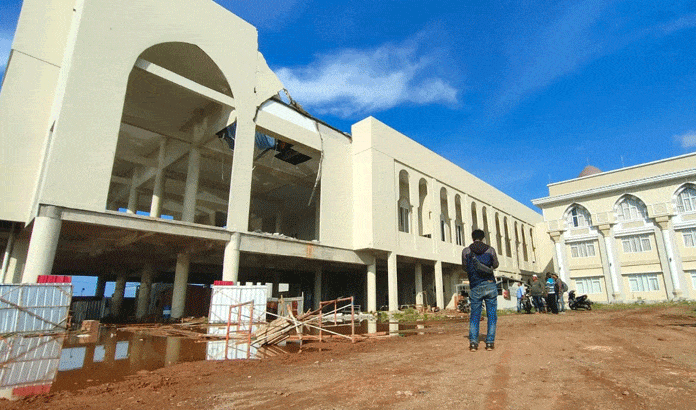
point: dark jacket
(485, 254)
(537, 288)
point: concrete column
(181, 274)
(670, 255)
(392, 280)
(317, 287)
(279, 221)
(171, 353)
(242, 163)
(614, 267)
(559, 246)
(439, 285)
(158, 190)
(43, 244)
(117, 298)
(18, 259)
(466, 219)
(191, 191)
(372, 286)
(419, 284)
(230, 265)
(8, 255)
(144, 292)
(101, 287)
(133, 195)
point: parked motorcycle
(464, 305)
(527, 303)
(580, 302)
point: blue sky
(519, 94)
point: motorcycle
(580, 302)
(464, 305)
(527, 305)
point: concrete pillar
(181, 274)
(191, 190)
(43, 244)
(439, 285)
(230, 265)
(18, 259)
(614, 267)
(144, 292)
(101, 287)
(279, 221)
(133, 195)
(158, 190)
(117, 298)
(317, 287)
(242, 163)
(392, 280)
(670, 256)
(372, 286)
(559, 247)
(419, 284)
(171, 353)
(7, 256)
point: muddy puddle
(49, 364)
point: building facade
(142, 143)
(627, 235)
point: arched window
(474, 217)
(578, 217)
(404, 203)
(459, 224)
(424, 222)
(486, 230)
(498, 235)
(524, 245)
(686, 200)
(631, 208)
(444, 217)
(508, 248)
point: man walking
(520, 294)
(479, 260)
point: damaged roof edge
(303, 112)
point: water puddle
(43, 364)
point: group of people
(479, 260)
(547, 296)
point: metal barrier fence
(34, 308)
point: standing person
(520, 294)
(561, 288)
(537, 292)
(551, 300)
(479, 260)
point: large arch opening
(169, 162)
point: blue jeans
(561, 303)
(519, 305)
(488, 292)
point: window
(693, 278)
(686, 200)
(636, 243)
(689, 237)
(443, 232)
(582, 249)
(588, 285)
(631, 209)
(403, 218)
(643, 282)
(460, 234)
(578, 217)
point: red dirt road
(621, 359)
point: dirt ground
(606, 359)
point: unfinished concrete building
(139, 143)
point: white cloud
(687, 140)
(682, 23)
(351, 82)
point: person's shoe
(489, 346)
(473, 347)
